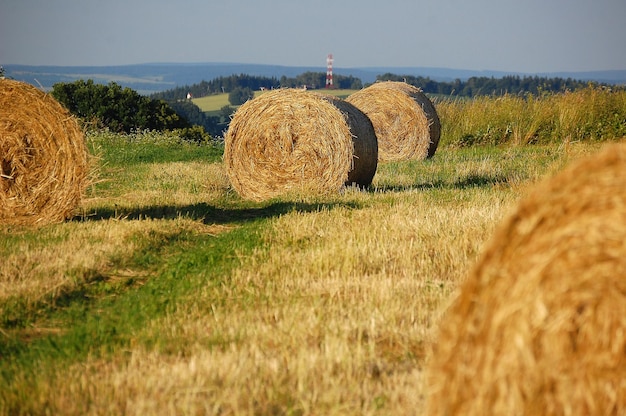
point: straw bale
(405, 120)
(539, 326)
(43, 157)
(294, 141)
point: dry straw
(43, 157)
(405, 120)
(293, 141)
(539, 327)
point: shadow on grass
(480, 181)
(91, 284)
(207, 213)
(467, 182)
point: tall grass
(593, 113)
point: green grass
(211, 103)
(149, 147)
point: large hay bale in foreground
(289, 140)
(405, 120)
(43, 157)
(539, 327)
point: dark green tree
(119, 109)
(192, 113)
(226, 111)
(240, 95)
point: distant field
(213, 103)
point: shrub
(116, 108)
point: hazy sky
(507, 35)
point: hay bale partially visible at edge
(289, 140)
(539, 327)
(43, 157)
(405, 120)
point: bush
(195, 134)
(116, 108)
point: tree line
(218, 85)
(483, 86)
(472, 87)
(222, 85)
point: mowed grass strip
(179, 295)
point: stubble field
(168, 294)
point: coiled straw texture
(43, 157)
(295, 142)
(405, 120)
(539, 327)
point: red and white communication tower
(329, 71)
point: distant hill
(155, 77)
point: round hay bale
(295, 141)
(405, 120)
(43, 157)
(539, 326)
